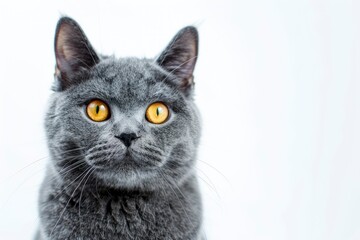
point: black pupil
(158, 111)
(97, 109)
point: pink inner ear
(62, 47)
(73, 51)
(66, 53)
(179, 57)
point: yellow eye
(97, 111)
(157, 113)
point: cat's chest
(128, 217)
(121, 217)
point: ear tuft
(179, 57)
(73, 51)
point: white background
(277, 85)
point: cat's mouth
(123, 160)
(127, 153)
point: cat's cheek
(172, 133)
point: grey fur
(92, 188)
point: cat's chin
(126, 177)
(124, 171)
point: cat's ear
(179, 57)
(73, 52)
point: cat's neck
(55, 186)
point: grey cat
(122, 135)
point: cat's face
(127, 123)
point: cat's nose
(127, 138)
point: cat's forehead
(127, 80)
(129, 70)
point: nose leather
(127, 138)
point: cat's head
(126, 123)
